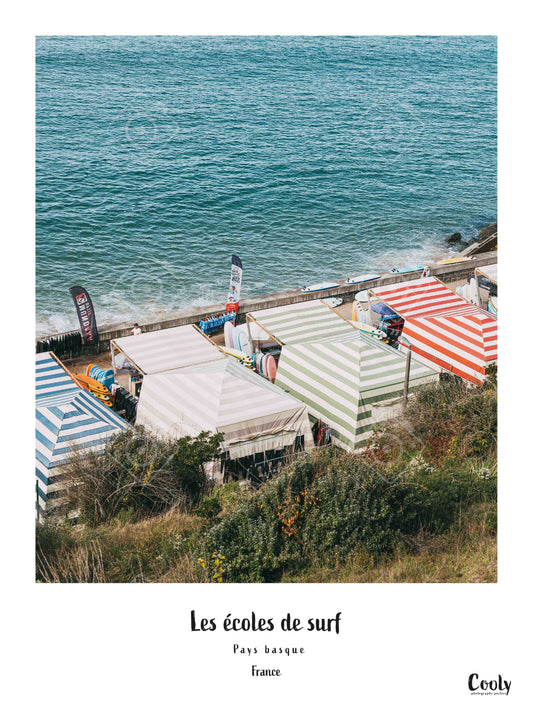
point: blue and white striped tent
(67, 419)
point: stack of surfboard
(93, 386)
(237, 344)
(265, 364)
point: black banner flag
(86, 315)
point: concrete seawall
(444, 272)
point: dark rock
(487, 231)
(484, 234)
(456, 238)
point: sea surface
(309, 157)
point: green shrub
(320, 507)
(138, 475)
(209, 508)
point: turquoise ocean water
(309, 157)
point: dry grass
(467, 554)
(133, 552)
(159, 550)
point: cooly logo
(488, 687)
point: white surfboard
(361, 278)
(320, 287)
(244, 343)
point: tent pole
(406, 380)
(37, 501)
(113, 362)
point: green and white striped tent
(349, 383)
(303, 322)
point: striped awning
(51, 379)
(348, 383)
(68, 419)
(226, 397)
(171, 348)
(462, 341)
(419, 297)
(303, 322)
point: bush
(449, 419)
(326, 505)
(138, 475)
(321, 507)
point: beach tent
(51, 379)
(418, 297)
(349, 382)
(303, 322)
(67, 419)
(462, 341)
(254, 415)
(443, 328)
(168, 349)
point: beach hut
(302, 322)
(462, 341)
(443, 328)
(223, 397)
(418, 297)
(68, 419)
(349, 382)
(168, 349)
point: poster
(407, 642)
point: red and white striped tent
(462, 341)
(443, 328)
(418, 297)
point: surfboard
(363, 277)
(238, 354)
(228, 330)
(93, 386)
(333, 301)
(244, 343)
(320, 287)
(271, 368)
(88, 383)
(493, 304)
(362, 296)
(369, 329)
(454, 260)
(406, 270)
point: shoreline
(445, 250)
(445, 272)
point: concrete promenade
(445, 272)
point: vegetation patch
(417, 505)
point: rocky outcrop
(487, 231)
(486, 241)
(457, 242)
(455, 239)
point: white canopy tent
(254, 415)
(168, 349)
